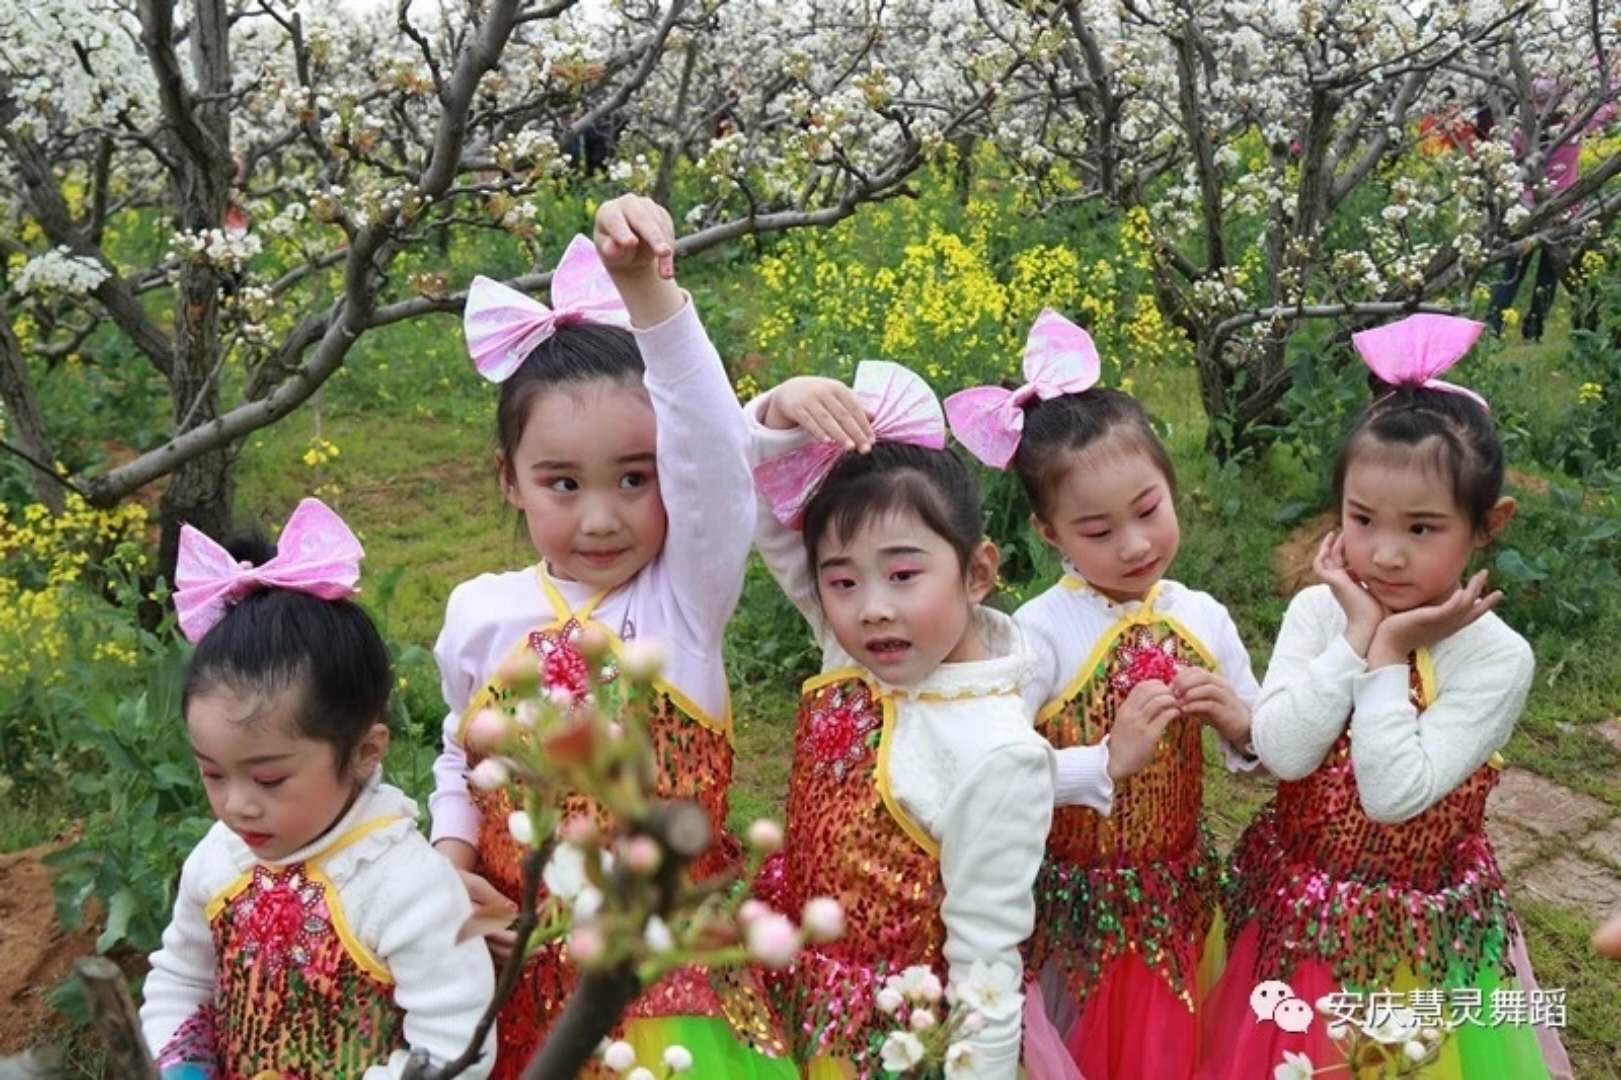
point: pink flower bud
(561, 698)
(488, 731)
(579, 830)
(520, 673)
(489, 774)
(889, 1000)
(752, 909)
(772, 940)
(586, 944)
(823, 919)
(641, 855)
(922, 1019)
(765, 836)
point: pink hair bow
(902, 408)
(316, 554)
(1414, 350)
(503, 326)
(1059, 358)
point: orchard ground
(412, 427)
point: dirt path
(34, 954)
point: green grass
(37, 817)
(1563, 958)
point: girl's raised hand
(1363, 611)
(826, 408)
(635, 233)
(1422, 627)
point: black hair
(897, 477)
(1449, 432)
(1071, 423)
(579, 352)
(273, 640)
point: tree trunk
(964, 172)
(1237, 399)
(27, 425)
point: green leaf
(1605, 530)
(1512, 565)
(119, 910)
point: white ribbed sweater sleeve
(1305, 699)
(992, 835)
(181, 980)
(1405, 764)
(407, 907)
(782, 548)
(704, 478)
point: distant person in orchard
(315, 931)
(620, 444)
(919, 795)
(1392, 688)
(1561, 167)
(1130, 668)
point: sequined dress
(1331, 902)
(693, 755)
(330, 963)
(847, 837)
(1126, 900)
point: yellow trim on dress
(362, 956)
(881, 778)
(561, 614)
(910, 827)
(357, 951)
(1426, 675)
(1143, 616)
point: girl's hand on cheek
(1363, 611)
(1422, 627)
(1142, 719)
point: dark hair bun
(251, 546)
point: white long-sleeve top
(1064, 625)
(403, 901)
(681, 599)
(965, 765)
(1404, 763)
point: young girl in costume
(621, 444)
(314, 933)
(919, 794)
(1390, 691)
(1130, 667)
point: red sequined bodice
(693, 761)
(1320, 878)
(844, 840)
(1143, 879)
(1156, 812)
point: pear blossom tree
(296, 150)
(1264, 156)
